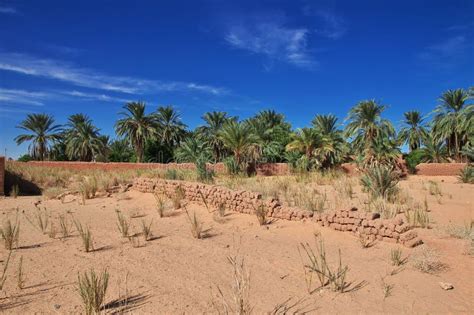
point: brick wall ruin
(439, 169)
(369, 225)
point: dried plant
(88, 187)
(52, 231)
(122, 224)
(178, 197)
(40, 219)
(204, 200)
(135, 241)
(146, 230)
(380, 181)
(327, 275)
(10, 233)
(386, 288)
(434, 188)
(427, 260)
(364, 241)
(240, 290)
(65, 226)
(92, 289)
(21, 275)
(221, 209)
(196, 225)
(418, 217)
(396, 256)
(261, 214)
(4, 271)
(15, 191)
(160, 205)
(465, 231)
(86, 236)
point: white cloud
(332, 25)
(274, 40)
(445, 55)
(13, 96)
(94, 96)
(8, 10)
(52, 69)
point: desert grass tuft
(92, 289)
(15, 191)
(122, 224)
(396, 256)
(434, 188)
(221, 209)
(239, 303)
(427, 260)
(196, 225)
(6, 263)
(317, 264)
(86, 236)
(465, 231)
(52, 231)
(380, 181)
(261, 214)
(64, 226)
(10, 233)
(365, 242)
(21, 279)
(146, 230)
(417, 217)
(135, 240)
(178, 197)
(160, 205)
(386, 288)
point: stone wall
(439, 169)
(369, 225)
(2, 175)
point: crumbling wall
(369, 225)
(2, 175)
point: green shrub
(231, 166)
(92, 289)
(466, 175)
(380, 181)
(414, 158)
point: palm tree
(170, 128)
(305, 140)
(193, 150)
(414, 131)
(325, 124)
(433, 151)
(210, 132)
(120, 151)
(83, 142)
(43, 132)
(136, 126)
(239, 138)
(449, 123)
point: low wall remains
(439, 169)
(369, 225)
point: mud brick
(408, 236)
(413, 242)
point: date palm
(170, 128)
(136, 126)
(42, 133)
(210, 132)
(366, 126)
(413, 132)
(450, 123)
(333, 148)
(83, 142)
(238, 138)
(305, 140)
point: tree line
(367, 137)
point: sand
(175, 273)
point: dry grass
(123, 224)
(6, 263)
(160, 204)
(417, 217)
(21, 278)
(86, 236)
(465, 231)
(10, 233)
(317, 263)
(196, 225)
(65, 226)
(92, 289)
(221, 209)
(396, 256)
(427, 260)
(261, 214)
(239, 302)
(146, 230)
(434, 188)
(386, 288)
(178, 197)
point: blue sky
(300, 58)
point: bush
(92, 288)
(466, 175)
(231, 166)
(380, 181)
(414, 158)
(25, 158)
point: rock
(446, 286)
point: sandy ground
(175, 273)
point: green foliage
(120, 151)
(380, 181)
(414, 158)
(466, 175)
(82, 139)
(25, 158)
(231, 166)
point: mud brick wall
(2, 175)
(369, 225)
(439, 169)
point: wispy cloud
(445, 55)
(274, 40)
(329, 24)
(94, 96)
(8, 10)
(89, 78)
(13, 96)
